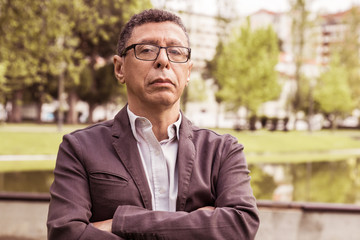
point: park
(285, 84)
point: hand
(103, 225)
(208, 208)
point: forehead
(167, 33)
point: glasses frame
(132, 46)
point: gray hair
(147, 16)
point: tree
(97, 25)
(299, 25)
(350, 55)
(210, 73)
(345, 57)
(47, 40)
(30, 36)
(195, 92)
(245, 70)
(3, 88)
(332, 93)
(225, 12)
(102, 87)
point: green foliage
(35, 45)
(99, 86)
(3, 89)
(211, 69)
(39, 40)
(333, 93)
(34, 34)
(98, 24)
(196, 90)
(299, 25)
(245, 69)
(348, 50)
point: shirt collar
(134, 119)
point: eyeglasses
(149, 52)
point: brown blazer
(99, 176)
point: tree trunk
(38, 111)
(92, 107)
(217, 124)
(60, 113)
(334, 123)
(72, 116)
(16, 104)
(252, 122)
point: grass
(260, 146)
(282, 142)
(31, 139)
(28, 139)
(295, 146)
(18, 166)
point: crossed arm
(107, 224)
(232, 216)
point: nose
(162, 60)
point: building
(332, 28)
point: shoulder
(94, 131)
(207, 137)
(210, 136)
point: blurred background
(283, 76)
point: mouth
(162, 82)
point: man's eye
(146, 49)
(175, 51)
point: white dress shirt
(159, 161)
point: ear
(189, 72)
(119, 68)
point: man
(149, 173)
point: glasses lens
(178, 54)
(146, 52)
(149, 52)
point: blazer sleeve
(235, 215)
(70, 204)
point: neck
(159, 117)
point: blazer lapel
(185, 162)
(126, 147)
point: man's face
(154, 83)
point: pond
(331, 182)
(32, 181)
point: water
(332, 182)
(32, 181)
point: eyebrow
(156, 42)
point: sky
(246, 7)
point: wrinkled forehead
(159, 33)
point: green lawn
(297, 146)
(260, 146)
(31, 139)
(23, 139)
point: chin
(168, 102)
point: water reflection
(34, 181)
(332, 182)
